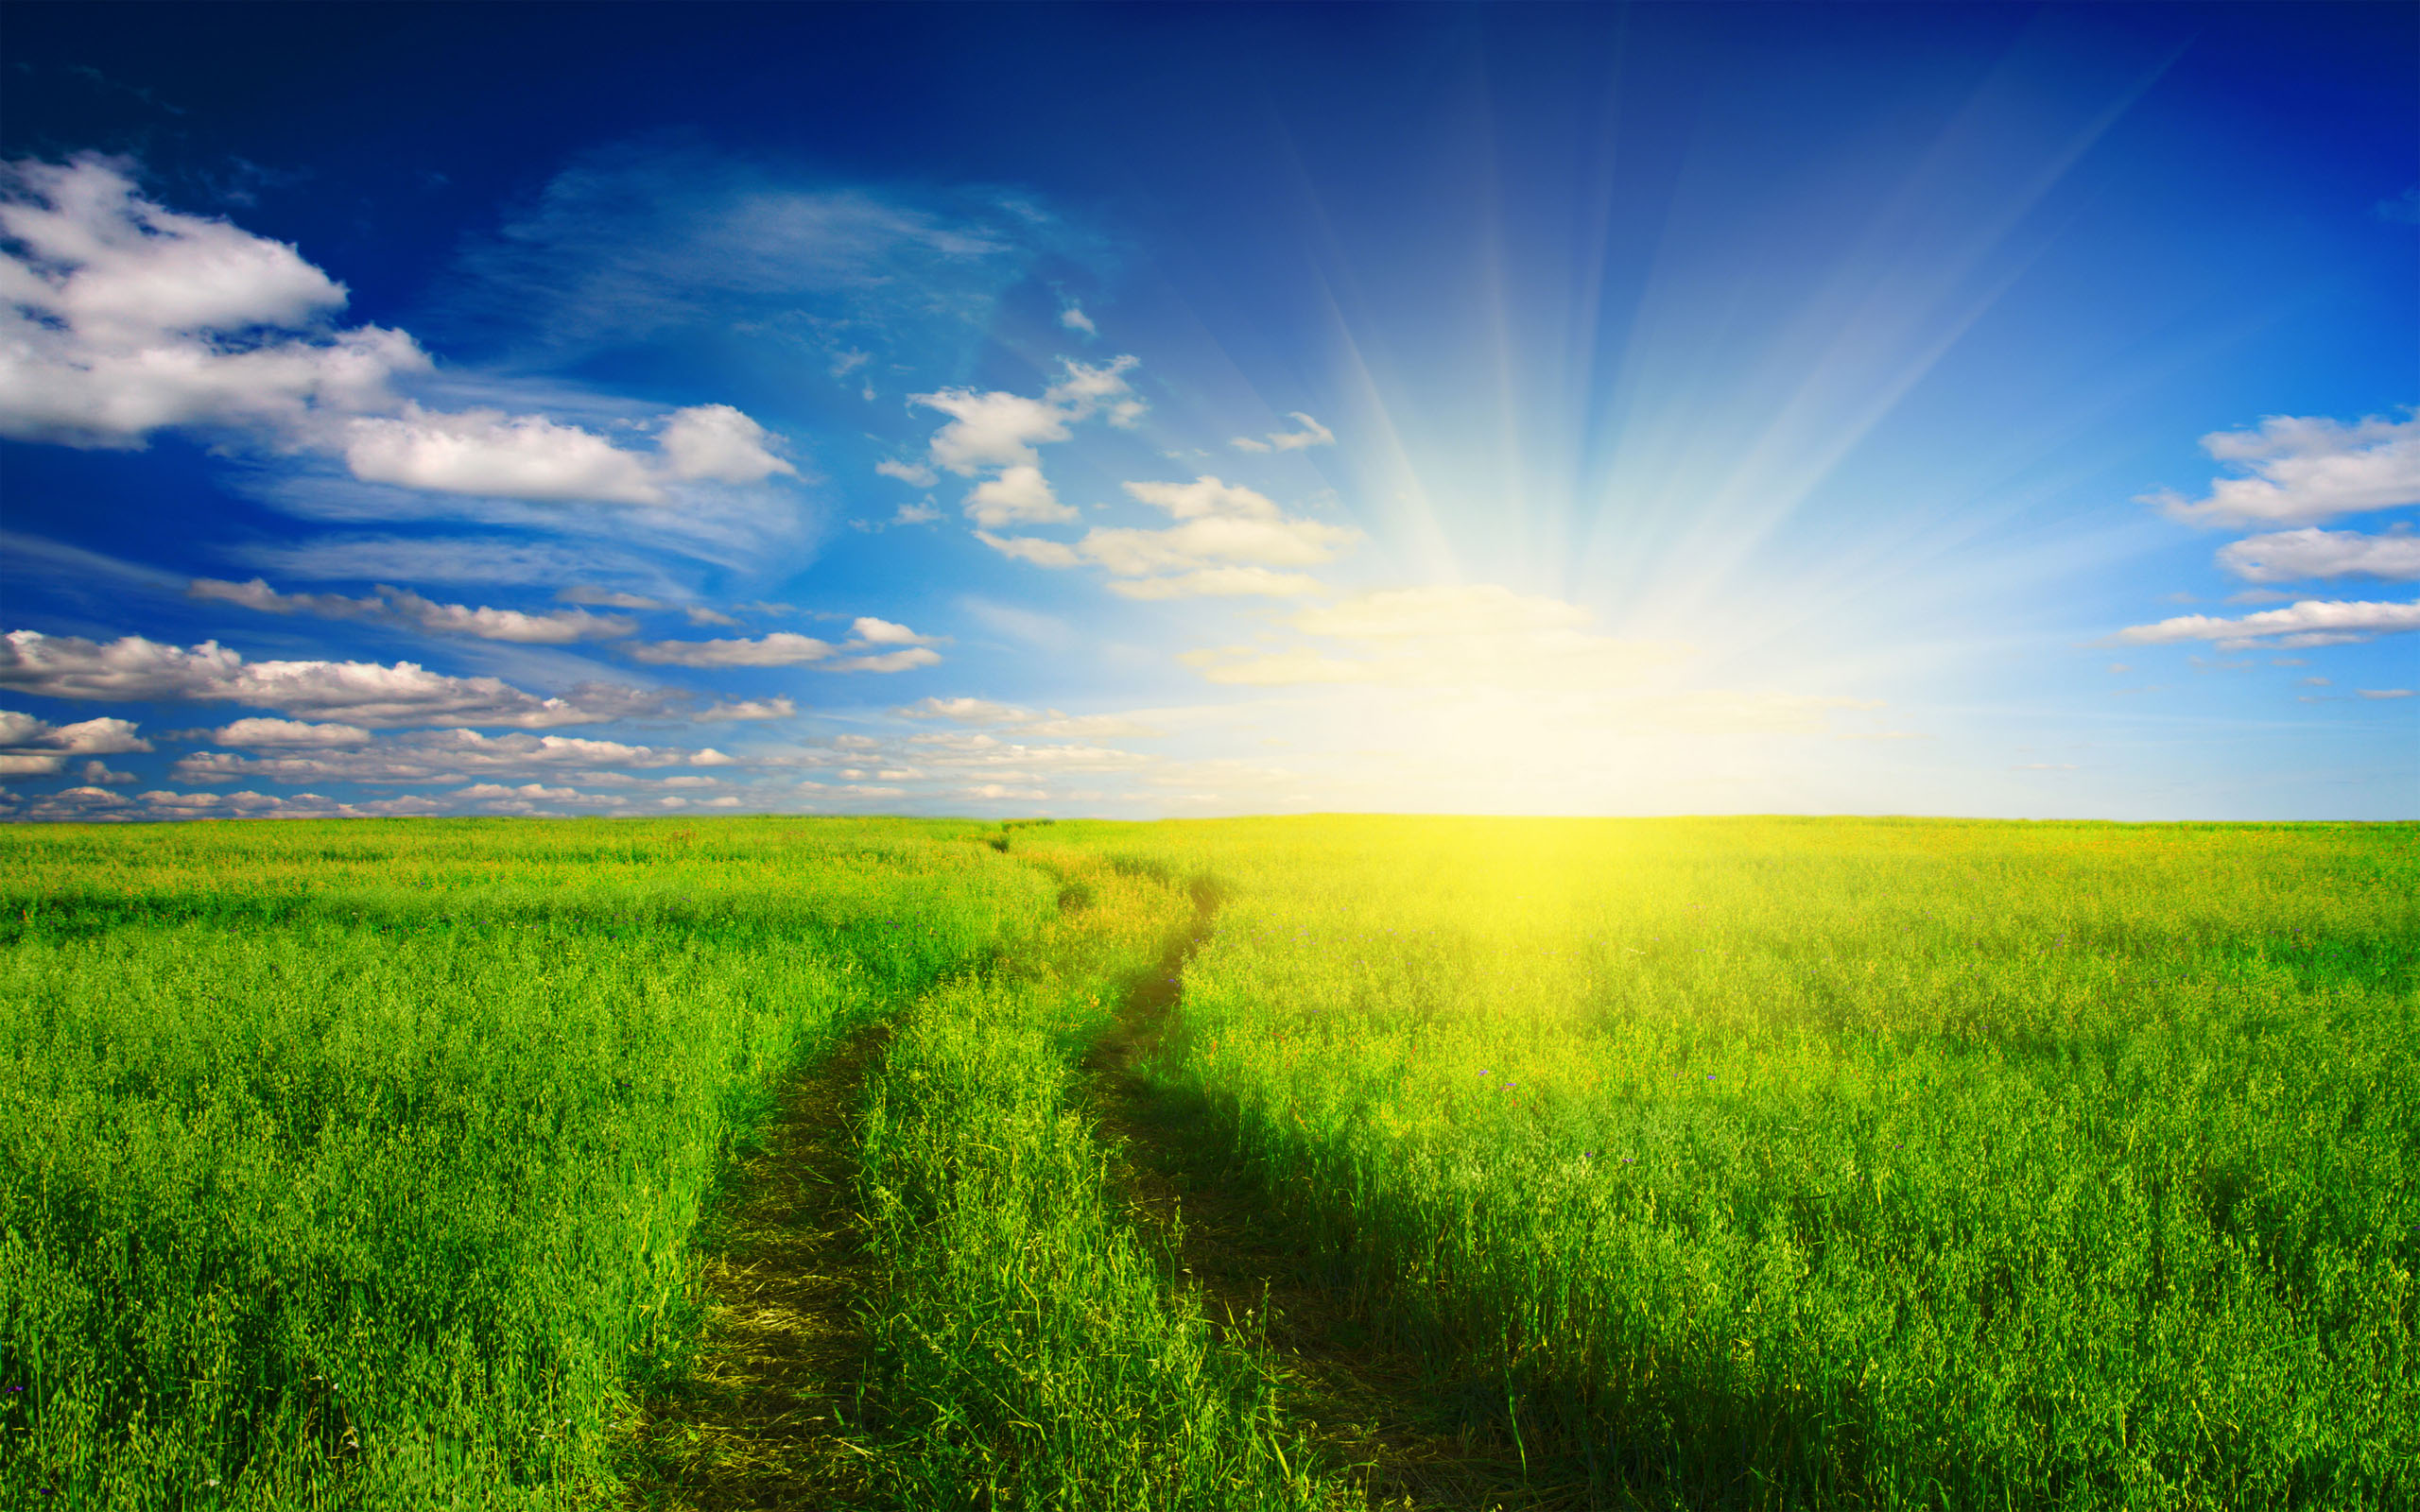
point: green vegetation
(358, 1164)
(1788, 1163)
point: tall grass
(1033, 1353)
(1838, 1164)
(355, 1165)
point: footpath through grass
(1844, 1163)
(358, 1164)
(1708, 1163)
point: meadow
(1754, 1162)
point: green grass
(1034, 1354)
(358, 1166)
(1789, 1163)
(1836, 1164)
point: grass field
(1262, 1163)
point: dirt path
(763, 1420)
(1366, 1404)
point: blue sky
(1167, 410)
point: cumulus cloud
(2285, 556)
(2311, 622)
(746, 709)
(92, 803)
(998, 430)
(1225, 540)
(1311, 433)
(88, 737)
(264, 734)
(874, 645)
(438, 756)
(716, 444)
(1481, 634)
(1020, 495)
(123, 318)
(2294, 472)
(489, 453)
(35, 748)
(780, 649)
(362, 693)
(402, 608)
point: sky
(1164, 410)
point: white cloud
(489, 453)
(1032, 548)
(1205, 498)
(886, 662)
(2384, 693)
(883, 632)
(258, 734)
(781, 649)
(961, 711)
(35, 748)
(1311, 433)
(987, 714)
(717, 443)
(387, 605)
(601, 599)
(88, 737)
(122, 318)
(1218, 582)
(1479, 635)
(915, 475)
(995, 429)
(1020, 495)
(1000, 430)
(2302, 471)
(1074, 318)
(2313, 622)
(700, 614)
(747, 709)
(1225, 539)
(2285, 556)
(439, 756)
(363, 693)
(15, 764)
(915, 514)
(99, 771)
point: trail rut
(764, 1420)
(1367, 1402)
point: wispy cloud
(402, 608)
(1309, 433)
(2313, 622)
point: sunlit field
(1754, 1162)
